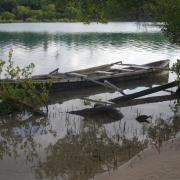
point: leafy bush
(18, 90)
(7, 16)
(22, 12)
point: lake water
(72, 46)
(51, 148)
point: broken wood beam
(148, 100)
(129, 103)
(144, 92)
(114, 87)
(92, 80)
(55, 71)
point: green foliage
(176, 68)
(167, 11)
(87, 103)
(72, 12)
(49, 11)
(35, 15)
(24, 91)
(8, 5)
(170, 14)
(7, 16)
(89, 10)
(22, 12)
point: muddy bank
(150, 165)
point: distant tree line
(77, 10)
(167, 11)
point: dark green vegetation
(167, 11)
(49, 10)
(22, 95)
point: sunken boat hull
(94, 77)
(157, 69)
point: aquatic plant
(17, 90)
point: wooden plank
(104, 72)
(136, 66)
(129, 103)
(54, 71)
(89, 79)
(114, 87)
(148, 100)
(145, 92)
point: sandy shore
(150, 165)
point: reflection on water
(82, 155)
(67, 146)
(76, 50)
(86, 147)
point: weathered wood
(166, 90)
(129, 103)
(62, 81)
(145, 92)
(148, 100)
(136, 66)
(54, 71)
(114, 87)
(118, 62)
(105, 113)
(92, 80)
(103, 72)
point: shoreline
(75, 21)
(149, 164)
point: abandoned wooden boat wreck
(105, 75)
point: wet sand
(150, 165)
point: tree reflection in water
(82, 155)
(92, 150)
(17, 136)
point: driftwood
(148, 100)
(119, 104)
(144, 92)
(127, 100)
(103, 114)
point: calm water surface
(51, 148)
(72, 46)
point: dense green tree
(7, 16)
(49, 11)
(72, 11)
(22, 12)
(167, 11)
(170, 15)
(7, 5)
